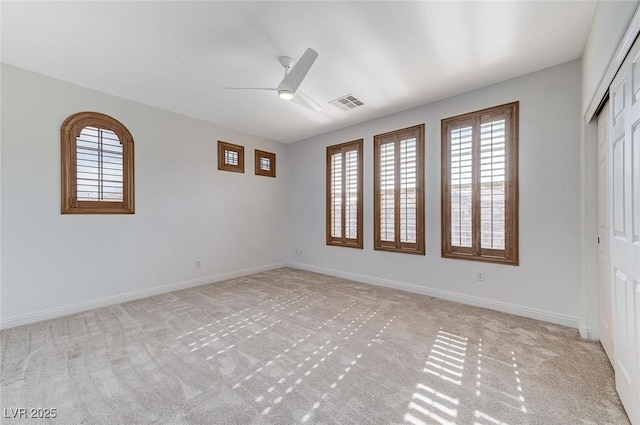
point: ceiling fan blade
(292, 80)
(301, 98)
(250, 88)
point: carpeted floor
(288, 346)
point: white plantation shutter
(387, 192)
(408, 184)
(492, 184)
(336, 195)
(99, 165)
(480, 185)
(231, 157)
(461, 188)
(351, 195)
(399, 203)
(344, 194)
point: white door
(624, 213)
(604, 282)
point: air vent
(346, 102)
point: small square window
(230, 157)
(265, 163)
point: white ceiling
(391, 55)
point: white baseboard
(128, 296)
(585, 331)
(518, 310)
(546, 316)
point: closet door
(605, 290)
(624, 212)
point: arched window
(97, 165)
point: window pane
(492, 184)
(99, 165)
(408, 183)
(230, 157)
(461, 187)
(336, 195)
(387, 192)
(351, 195)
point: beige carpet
(288, 346)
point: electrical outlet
(480, 276)
(197, 264)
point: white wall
(610, 21)
(186, 209)
(546, 284)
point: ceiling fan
(288, 87)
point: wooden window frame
(259, 155)
(69, 132)
(419, 247)
(510, 254)
(222, 165)
(343, 240)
